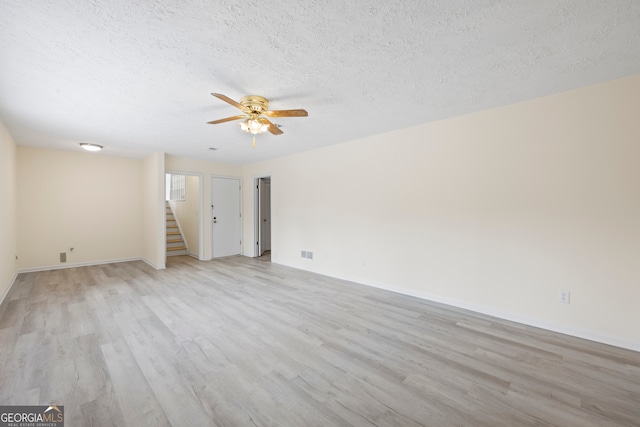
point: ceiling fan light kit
(254, 108)
(254, 126)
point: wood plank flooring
(243, 342)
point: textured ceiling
(136, 75)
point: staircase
(175, 242)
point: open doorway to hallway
(262, 216)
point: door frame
(200, 208)
(256, 213)
(210, 217)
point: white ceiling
(136, 75)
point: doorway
(226, 224)
(185, 194)
(263, 215)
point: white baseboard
(157, 267)
(11, 282)
(490, 311)
(88, 264)
(78, 264)
(517, 318)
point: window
(176, 188)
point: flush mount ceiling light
(90, 147)
(254, 108)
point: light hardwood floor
(243, 342)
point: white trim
(146, 261)
(201, 222)
(504, 315)
(86, 264)
(517, 318)
(11, 282)
(162, 211)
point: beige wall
(8, 235)
(86, 201)
(206, 169)
(495, 211)
(187, 212)
(153, 211)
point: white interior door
(264, 195)
(225, 217)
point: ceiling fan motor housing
(255, 103)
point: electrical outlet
(564, 297)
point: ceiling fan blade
(272, 128)
(228, 119)
(230, 101)
(286, 113)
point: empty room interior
(365, 213)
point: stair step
(175, 245)
(177, 253)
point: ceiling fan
(254, 108)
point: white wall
(153, 211)
(495, 211)
(88, 201)
(8, 235)
(207, 169)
